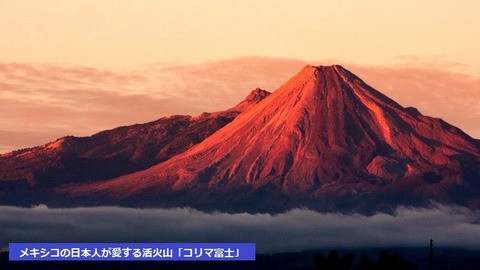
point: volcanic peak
(254, 97)
(257, 95)
(321, 79)
(328, 73)
(325, 139)
(323, 68)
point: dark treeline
(371, 259)
(334, 261)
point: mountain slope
(325, 140)
(114, 152)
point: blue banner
(132, 251)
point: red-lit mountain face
(324, 140)
(110, 153)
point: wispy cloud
(450, 95)
(292, 231)
(41, 102)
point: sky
(120, 33)
(78, 67)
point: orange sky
(77, 67)
(113, 33)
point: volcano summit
(324, 140)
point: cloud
(450, 95)
(292, 231)
(43, 102)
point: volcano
(324, 140)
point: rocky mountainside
(112, 153)
(324, 140)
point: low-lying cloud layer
(292, 231)
(41, 102)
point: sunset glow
(78, 67)
(125, 33)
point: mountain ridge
(325, 140)
(112, 152)
(301, 144)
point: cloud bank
(292, 231)
(42, 102)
